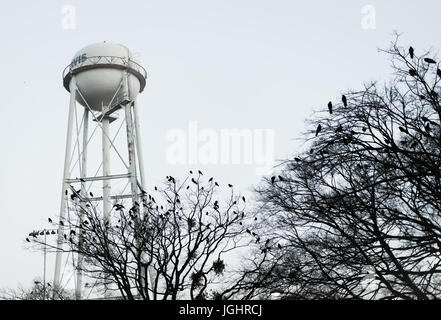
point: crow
(199, 171)
(194, 181)
(281, 178)
(82, 180)
(27, 239)
(255, 219)
(297, 159)
(339, 129)
(344, 100)
(156, 188)
(243, 198)
(216, 184)
(330, 107)
(248, 231)
(50, 220)
(402, 129)
(230, 185)
(61, 223)
(438, 72)
(430, 61)
(411, 51)
(211, 179)
(273, 179)
(412, 72)
(427, 127)
(317, 131)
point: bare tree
(38, 291)
(178, 242)
(357, 215)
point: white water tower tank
(99, 72)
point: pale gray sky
(226, 64)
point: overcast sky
(225, 64)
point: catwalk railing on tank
(93, 62)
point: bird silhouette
(50, 220)
(330, 107)
(193, 180)
(402, 129)
(273, 179)
(243, 198)
(61, 223)
(191, 172)
(281, 178)
(27, 239)
(255, 219)
(411, 52)
(216, 184)
(211, 179)
(82, 180)
(430, 61)
(230, 185)
(279, 246)
(317, 131)
(156, 188)
(339, 128)
(412, 72)
(199, 171)
(427, 127)
(438, 72)
(297, 159)
(344, 100)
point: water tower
(105, 79)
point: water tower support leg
(139, 153)
(107, 205)
(83, 204)
(65, 186)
